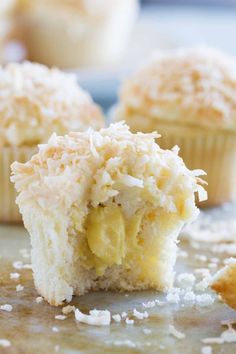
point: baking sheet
(30, 326)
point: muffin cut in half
(224, 283)
(104, 210)
(189, 96)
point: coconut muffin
(35, 102)
(104, 210)
(189, 96)
(74, 33)
(224, 283)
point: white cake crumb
(20, 265)
(68, 309)
(182, 254)
(124, 314)
(174, 332)
(149, 304)
(60, 317)
(6, 307)
(116, 318)
(202, 285)
(203, 272)
(55, 329)
(204, 300)
(206, 350)
(189, 296)
(129, 321)
(172, 298)
(19, 287)
(95, 317)
(140, 315)
(186, 280)
(159, 303)
(39, 299)
(5, 343)
(14, 276)
(147, 331)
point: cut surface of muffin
(104, 210)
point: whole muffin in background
(189, 96)
(35, 102)
(107, 207)
(74, 33)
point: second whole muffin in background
(189, 96)
(35, 102)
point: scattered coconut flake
(55, 329)
(149, 304)
(228, 336)
(5, 343)
(174, 332)
(116, 318)
(206, 350)
(129, 321)
(19, 287)
(186, 280)
(39, 299)
(124, 314)
(122, 343)
(140, 315)
(14, 276)
(6, 307)
(68, 309)
(95, 317)
(60, 317)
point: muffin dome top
(195, 85)
(95, 166)
(36, 101)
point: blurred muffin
(35, 102)
(7, 24)
(107, 208)
(189, 97)
(73, 33)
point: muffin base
(9, 212)
(211, 150)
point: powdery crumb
(6, 307)
(204, 300)
(60, 317)
(116, 318)
(200, 257)
(14, 276)
(19, 287)
(172, 298)
(182, 254)
(202, 285)
(39, 299)
(140, 315)
(159, 303)
(206, 350)
(189, 297)
(174, 332)
(5, 343)
(20, 265)
(129, 321)
(203, 272)
(68, 309)
(95, 317)
(186, 280)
